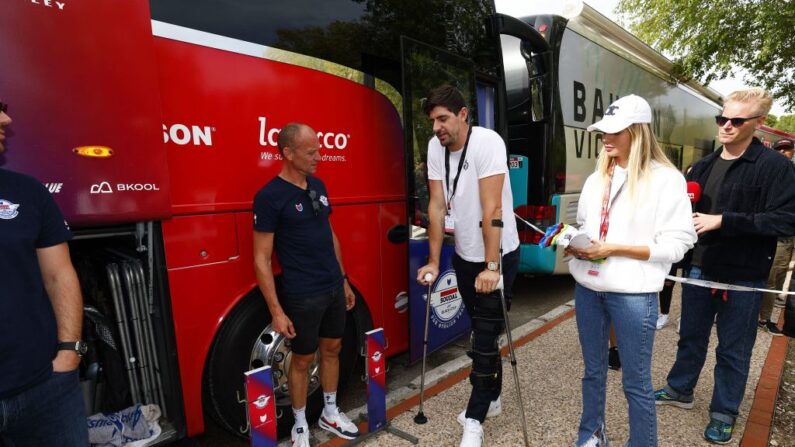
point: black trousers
(485, 311)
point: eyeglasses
(3, 107)
(313, 197)
(721, 120)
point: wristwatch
(492, 266)
(78, 346)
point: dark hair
(446, 96)
(289, 133)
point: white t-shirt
(486, 156)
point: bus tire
(245, 342)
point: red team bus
(769, 136)
(154, 123)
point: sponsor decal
(183, 135)
(49, 4)
(328, 140)
(8, 210)
(324, 200)
(101, 188)
(106, 188)
(53, 188)
(261, 401)
(376, 356)
(402, 302)
(446, 302)
(515, 163)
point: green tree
(786, 123)
(710, 39)
(771, 120)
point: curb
(451, 373)
(760, 419)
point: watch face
(492, 266)
(82, 348)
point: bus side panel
(223, 111)
(393, 272)
(73, 79)
(205, 292)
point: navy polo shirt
(29, 219)
(302, 235)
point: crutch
(501, 285)
(420, 417)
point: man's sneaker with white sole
(339, 424)
(495, 409)
(299, 436)
(473, 434)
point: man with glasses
(291, 214)
(747, 202)
(41, 317)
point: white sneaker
(598, 439)
(662, 320)
(473, 434)
(299, 435)
(495, 409)
(339, 424)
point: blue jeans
(737, 324)
(634, 318)
(51, 413)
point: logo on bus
(183, 135)
(50, 4)
(53, 188)
(106, 188)
(328, 140)
(446, 301)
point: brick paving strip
(760, 419)
(550, 365)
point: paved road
(533, 297)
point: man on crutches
(469, 192)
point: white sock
(330, 401)
(300, 417)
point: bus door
(533, 160)
(426, 67)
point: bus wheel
(246, 341)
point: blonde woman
(636, 211)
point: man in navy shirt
(291, 214)
(41, 314)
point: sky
(723, 86)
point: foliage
(786, 123)
(771, 120)
(711, 39)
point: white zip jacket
(659, 217)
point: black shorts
(314, 317)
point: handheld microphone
(694, 194)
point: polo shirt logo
(8, 210)
(299, 207)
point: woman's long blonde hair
(643, 150)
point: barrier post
(376, 391)
(261, 407)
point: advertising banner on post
(261, 407)
(376, 380)
(448, 319)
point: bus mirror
(539, 113)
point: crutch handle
(428, 277)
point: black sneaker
(613, 360)
(773, 329)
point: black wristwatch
(78, 346)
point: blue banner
(448, 317)
(376, 380)
(261, 407)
